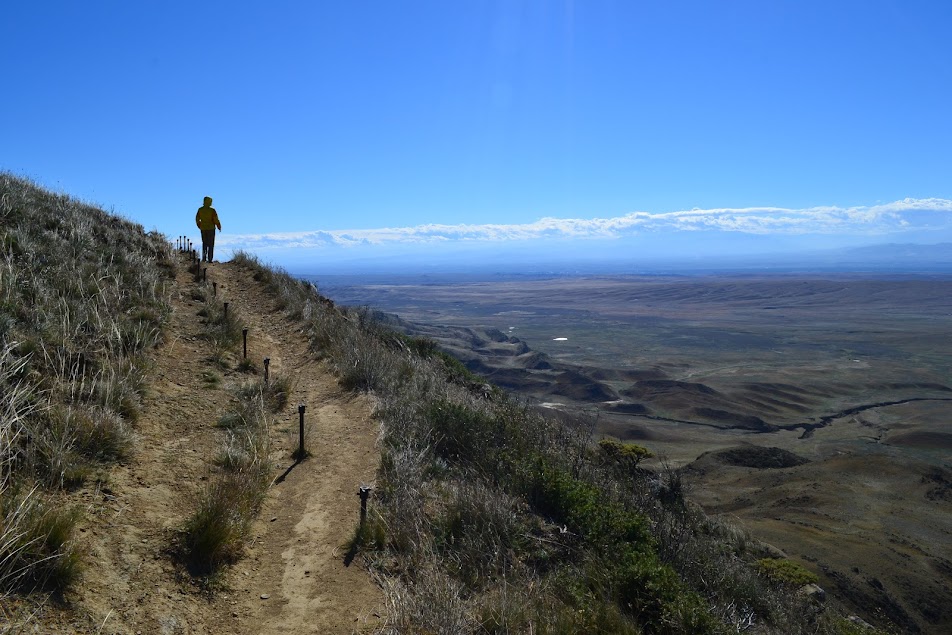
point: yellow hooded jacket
(207, 218)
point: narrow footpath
(292, 578)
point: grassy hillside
(82, 300)
(486, 517)
(492, 518)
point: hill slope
(118, 378)
(487, 516)
(294, 554)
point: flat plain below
(812, 410)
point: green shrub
(625, 455)
(554, 492)
(786, 571)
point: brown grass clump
(214, 534)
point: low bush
(627, 456)
(786, 571)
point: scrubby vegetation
(215, 532)
(786, 571)
(83, 299)
(490, 517)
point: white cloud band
(891, 218)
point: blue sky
(456, 126)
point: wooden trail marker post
(226, 311)
(244, 337)
(300, 452)
(364, 495)
(215, 288)
(267, 363)
(205, 274)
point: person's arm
(217, 222)
(197, 221)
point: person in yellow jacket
(207, 220)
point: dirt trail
(312, 510)
(292, 578)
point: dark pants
(208, 244)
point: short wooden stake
(226, 311)
(215, 288)
(364, 495)
(244, 336)
(267, 362)
(205, 274)
(300, 454)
